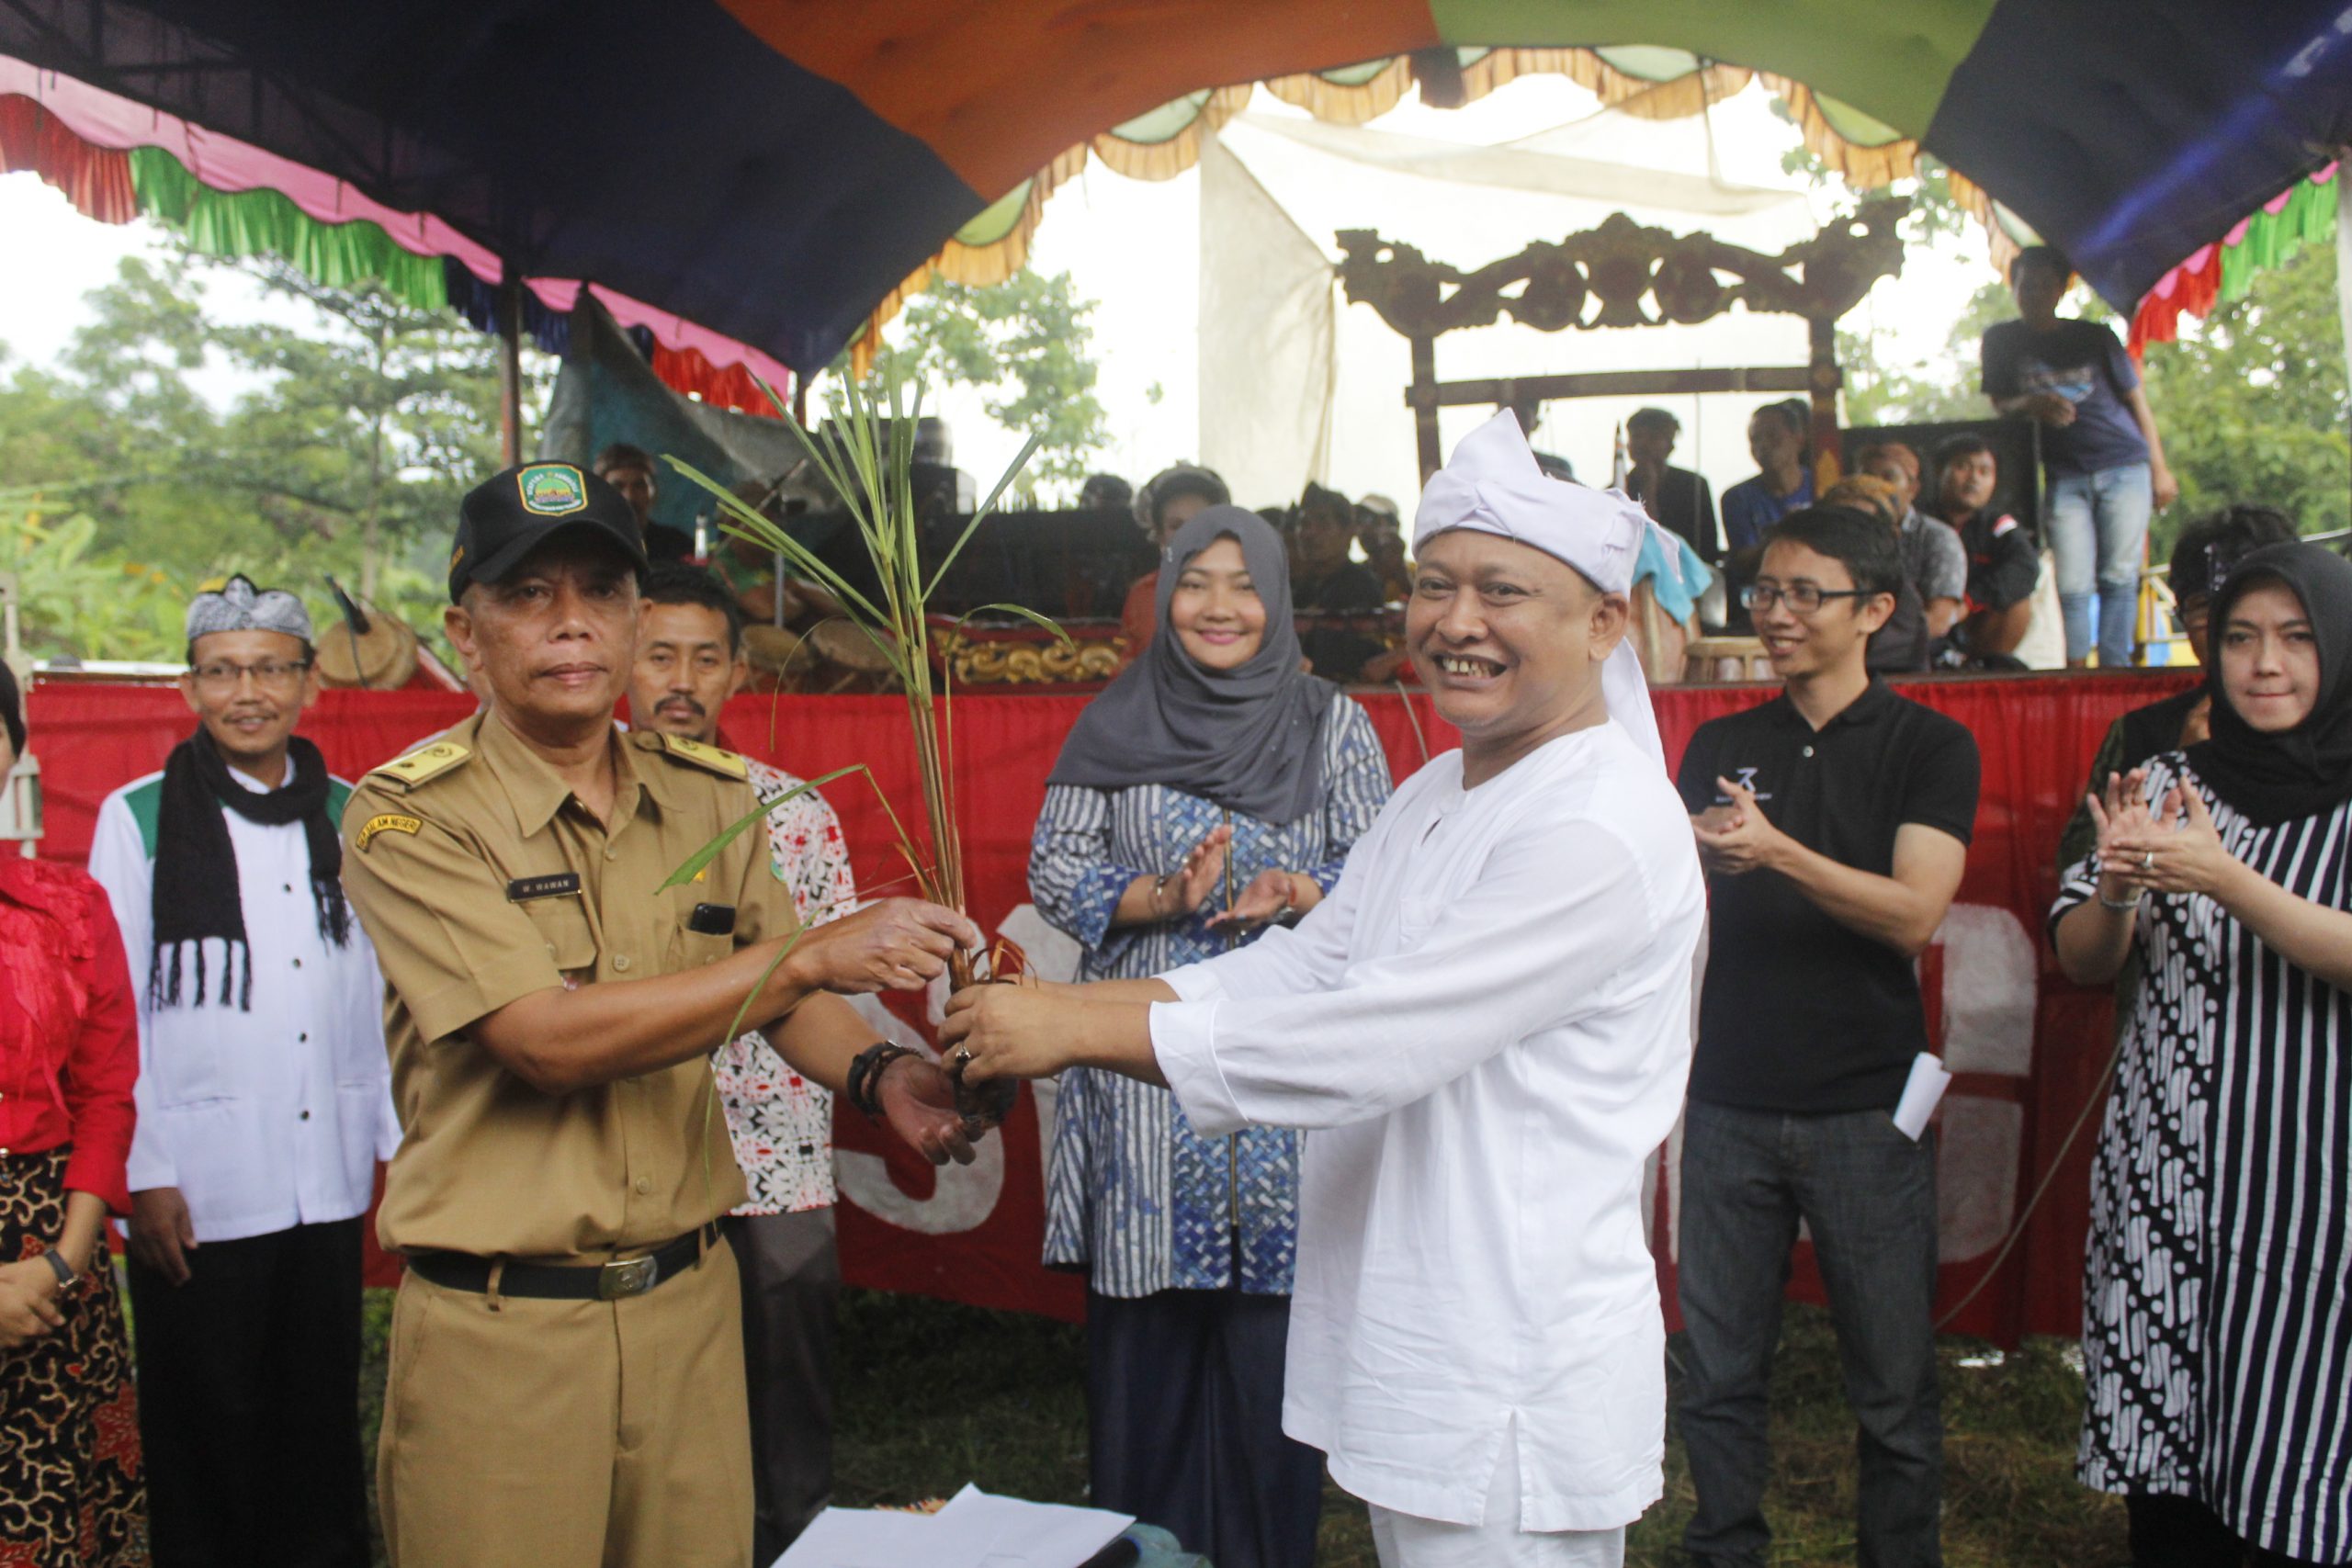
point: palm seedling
(866, 456)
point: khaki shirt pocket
(691, 948)
(562, 923)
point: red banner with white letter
(2028, 1047)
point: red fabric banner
(2028, 1047)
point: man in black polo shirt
(1834, 824)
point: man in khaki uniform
(567, 1370)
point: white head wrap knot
(1494, 486)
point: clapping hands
(2175, 849)
(1739, 838)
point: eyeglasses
(1803, 598)
(271, 674)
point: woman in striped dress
(1212, 790)
(2217, 1334)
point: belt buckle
(625, 1277)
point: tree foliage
(351, 433)
(2252, 402)
(1025, 345)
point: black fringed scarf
(197, 890)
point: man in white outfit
(265, 1101)
(1486, 1029)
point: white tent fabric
(1281, 186)
(1526, 165)
(1268, 320)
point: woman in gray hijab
(1212, 790)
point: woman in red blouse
(70, 1489)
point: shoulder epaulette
(425, 763)
(711, 757)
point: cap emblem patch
(552, 489)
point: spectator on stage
(1903, 645)
(1381, 532)
(1332, 582)
(69, 1053)
(1834, 824)
(1170, 499)
(1327, 582)
(1105, 492)
(690, 659)
(1933, 561)
(2002, 565)
(2101, 457)
(263, 1105)
(2201, 558)
(2217, 1296)
(1681, 500)
(749, 571)
(1783, 482)
(1212, 792)
(630, 471)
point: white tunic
(1487, 1028)
(265, 1118)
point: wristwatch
(63, 1270)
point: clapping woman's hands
(1197, 878)
(2121, 816)
(1271, 896)
(2178, 851)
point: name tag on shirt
(562, 884)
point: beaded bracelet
(866, 1076)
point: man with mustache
(263, 1107)
(567, 934)
(689, 661)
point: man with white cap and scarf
(1486, 1030)
(264, 1104)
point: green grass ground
(934, 1395)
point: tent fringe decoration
(1166, 143)
(2216, 274)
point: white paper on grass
(869, 1538)
(1921, 1093)
(1030, 1535)
(973, 1530)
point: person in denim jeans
(2101, 457)
(1833, 823)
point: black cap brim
(499, 563)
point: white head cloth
(1494, 486)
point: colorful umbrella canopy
(774, 169)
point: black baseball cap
(513, 513)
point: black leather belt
(580, 1283)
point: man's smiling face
(1504, 635)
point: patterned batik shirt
(782, 1125)
(1133, 1194)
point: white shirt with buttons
(270, 1117)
